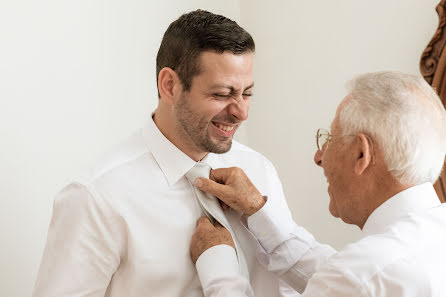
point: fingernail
(198, 183)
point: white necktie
(212, 209)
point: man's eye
(222, 96)
(247, 95)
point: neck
(380, 190)
(168, 127)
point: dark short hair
(193, 33)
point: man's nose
(239, 108)
(318, 157)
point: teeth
(225, 128)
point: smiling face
(338, 161)
(357, 175)
(333, 157)
(217, 103)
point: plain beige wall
(306, 51)
(78, 76)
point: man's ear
(364, 155)
(169, 85)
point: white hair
(405, 118)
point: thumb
(209, 186)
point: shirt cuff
(269, 228)
(218, 262)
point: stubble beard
(196, 128)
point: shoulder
(238, 147)
(257, 167)
(253, 163)
(240, 154)
(114, 167)
(116, 160)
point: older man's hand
(206, 236)
(233, 187)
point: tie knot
(200, 169)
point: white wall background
(78, 76)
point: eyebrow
(231, 88)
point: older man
(386, 147)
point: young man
(124, 229)
(386, 147)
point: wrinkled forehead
(225, 69)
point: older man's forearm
(287, 249)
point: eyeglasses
(323, 138)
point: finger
(213, 188)
(219, 226)
(221, 175)
(224, 206)
(203, 222)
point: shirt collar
(171, 160)
(410, 200)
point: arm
(286, 248)
(213, 251)
(219, 274)
(218, 270)
(334, 281)
(83, 246)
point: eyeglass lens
(322, 137)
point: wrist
(257, 204)
(218, 262)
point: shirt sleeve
(336, 280)
(83, 246)
(285, 248)
(219, 273)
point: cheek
(205, 106)
(327, 164)
(218, 111)
(332, 165)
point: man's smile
(224, 129)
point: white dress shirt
(402, 253)
(124, 229)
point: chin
(334, 213)
(217, 147)
(222, 149)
